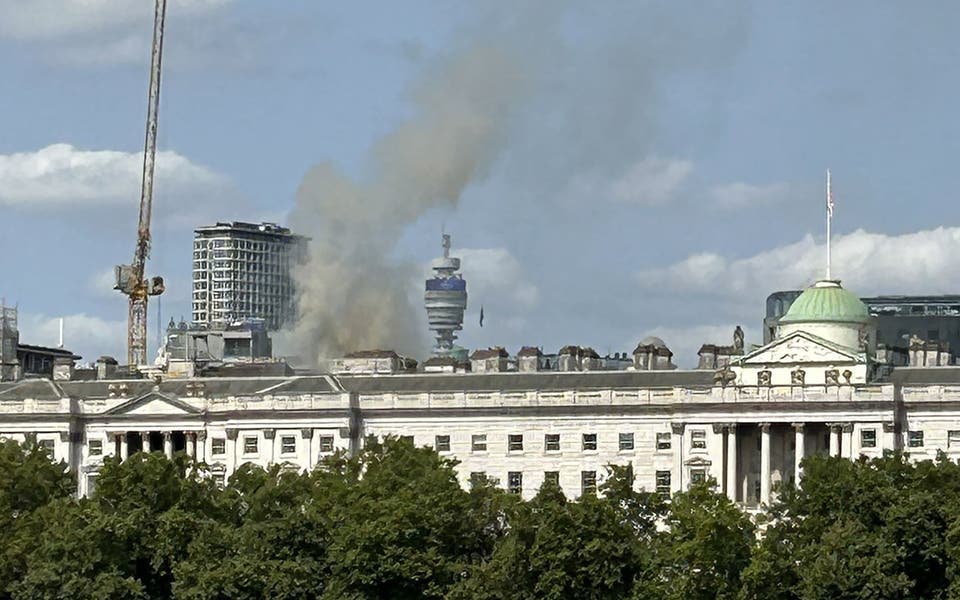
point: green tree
(876, 528)
(68, 551)
(704, 549)
(155, 507)
(277, 551)
(558, 549)
(406, 528)
(29, 480)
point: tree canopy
(394, 522)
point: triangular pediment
(154, 403)
(801, 347)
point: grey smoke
(352, 295)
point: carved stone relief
(764, 377)
(798, 376)
(832, 377)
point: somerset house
(745, 418)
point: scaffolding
(9, 340)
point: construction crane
(130, 278)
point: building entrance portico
(758, 456)
(169, 443)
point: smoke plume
(351, 294)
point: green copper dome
(827, 301)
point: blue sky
(656, 168)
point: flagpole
(829, 219)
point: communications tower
(445, 300)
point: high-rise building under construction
(244, 271)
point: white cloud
(740, 194)
(684, 342)
(86, 335)
(52, 19)
(651, 181)
(61, 175)
(118, 32)
(922, 262)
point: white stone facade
(673, 427)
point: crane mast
(131, 279)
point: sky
(639, 168)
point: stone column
(191, 439)
(65, 438)
(847, 446)
(124, 450)
(168, 444)
(765, 463)
(799, 451)
(307, 436)
(677, 446)
(145, 441)
(231, 451)
(732, 462)
(834, 439)
(268, 436)
(201, 437)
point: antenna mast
(829, 219)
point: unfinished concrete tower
(445, 300)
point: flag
(829, 197)
(481, 315)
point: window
(477, 478)
(698, 439)
(589, 441)
(916, 439)
(663, 483)
(49, 446)
(442, 443)
(326, 443)
(95, 447)
(478, 442)
(953, 438)
(551, 477)
(868, 438)
(515, 442)
(588, 482)
(514, 482)
(697, 476)
(250, 444)
(91, 483)
(626, 441)
(663, 441)
(288, 444)
(218, 446)
(219, 479)
(551, 442)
